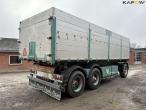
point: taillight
(57, 77)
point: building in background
(137, 56)
(9, 56)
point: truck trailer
(70, 53)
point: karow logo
(137, 2)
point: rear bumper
(51, 89)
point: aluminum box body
(75, 39)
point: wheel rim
(77, 84)
(126, 70)
(95, 79)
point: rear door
(34, 37)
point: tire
(94, 79)
(76, 84)
(123, 70)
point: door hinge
(49, 38)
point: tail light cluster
(57, 77)
(43, 78)
(53, 77)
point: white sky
(127, 20)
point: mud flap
(50, 89)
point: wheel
(76, 84)
(123, 70)
(94, 79)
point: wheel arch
(71, 69)
(120, 64)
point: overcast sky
(127, 20)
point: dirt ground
(114, 94)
